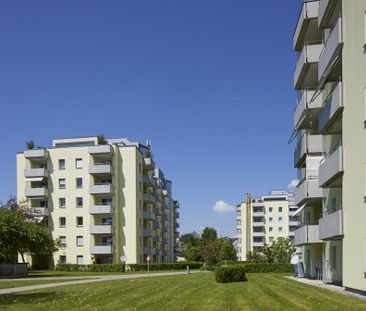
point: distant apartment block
(262, 220)
(106, 203)
(330, 123)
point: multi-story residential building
(330, 77)
(107, 202)
(264, 219)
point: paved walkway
(86, 279)
(331, 287)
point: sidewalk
(331, 287)
(90, 279)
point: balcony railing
(100, 209)
(100, 168)
(149, 250)
(100, 150)
(101, 229)
(258, 224)
(325, 12)
(39, 192)
(308, 189)
(331, 225)
(332, 108)
(149, 215)
(100, 189)
(307, 234)
(149, 163)
(305, 105)
(308, 144)
(149, 197)
(149, 233)
(35, 154)
(35, 172)
(39, 211)
(331, 167)
(305, 75)
(258, 244)
(100, 249)
(331, 50)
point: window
(79, 240)
(79, 221)
(61, 164)
(79, 182)
(62, 221)
(270, 209)
(270, 229)
(280, 219)
(80, 259)
(280, 209)
(63, 240)
(78, 163)
(79, 202)
(62, 183)
(62, 259)
(279, 229)
(270, 239)
(62, 202)
(270, 219)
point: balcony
(258, 234)
(149, 180)
(258, 224)
(39, 211)
(35, 154)
(149, 250)
(149, 163)
(149, 215)
(39, 192)
(329, 117)
(100, 249)
(100, 168)
(100, 209)
(308, 234)
(293, 223)
(101, 229)
(258, 244)
(308, 190)
(306, 72)
(35, 172)
(306, 28)
(100, 150)
(331, 169)
(100, 189)
(332, 49)
(149, 233)
(307, 110)
(326, 8)
(258, 214)
(177, 225)
(158, 239)
(331, 225)
(308, 144)
(149, 198)
(158, 225)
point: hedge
(232, 273)
(166, 266)
(92, 268)
(259, 267)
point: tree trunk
(22, 257)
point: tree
(191, 246)
(280, 251)
(228, 250)
(21, 234)
(102, 140)
(29, 144)
(209, 234)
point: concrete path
(86, 279)
(331, 287)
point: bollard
(187, 269)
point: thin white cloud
(223, 207)
(293, 183)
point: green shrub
(259, 267)
(166, 266)
(91, 268)
(208, 268)
(233, 273)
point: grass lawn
(184, 292)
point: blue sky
(208, 81)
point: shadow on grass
(45, 275)
(29, 298)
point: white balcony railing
(100, 168)
(35, 153)
(331, 166)
(100, 150)
(307, 234)
(101, 229)
(101, 249)
(36, 192)
(308, 144)
(35, 172)
(331, 225)
(100, 189)
(100, 209)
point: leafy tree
(256, 257)
(20, 233)
(280, 251)
(212, 252)
(102, 140)
(193, 253)
(29, 144)
(228, 250)
(191, 246)
(209, 234)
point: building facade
(262, 220)
(330, 77)
(106, 202)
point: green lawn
(184, 292)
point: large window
(62, 221)
(79, 163)
(61, 164)
(79, 241)
(62, 202)
(62, 183)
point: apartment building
(262, 220)
(329, 120)
(107, 202)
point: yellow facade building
(107, 202)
